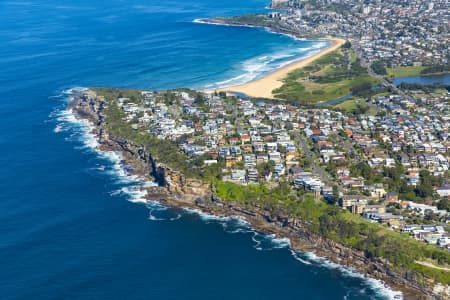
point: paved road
(380, 78)
(319, 171)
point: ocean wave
(376, 285)
(292, 36)
(134, 190)
(70, 91)
(267, 29)
(321, 45)
(259, 66)
(306, 49)
(316, 46)
(203, 21)
(135, 193)
(297, 257)
(154, 211)
(58, 128)
(83, 131)
(232, 81)
(256, 67)
(231, 224)
(238, 224)
(207, 216)
(269, 242)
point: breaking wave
(378, 286)
(259, 66)
(81, 132)
(238, 224)
(133, 188)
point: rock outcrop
(175, 189)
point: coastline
(266, 28)
(185, 194)
(263, 87)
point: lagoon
(430, 79)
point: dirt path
(427, 264)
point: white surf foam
(207, 216)
(259, 66)
(202, 21)
(84, 131)
(238, 224)
(281, 242)
(135, 193)
(269, 242)
(256, 67)
(296, 257)
(58, 129)
(376, 285)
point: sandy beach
(263, 87)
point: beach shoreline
(263, 87)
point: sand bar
(263, 87)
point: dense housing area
(371, 173)
(397, 38)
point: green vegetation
(398, 184)
(331, 76)
(419, 70)
(437, 69)
(429, 88)
(379, 68)
(393, 178)
(404, 71)
(341, 226)
(439, 275)
(357, 105)
(258, 194)
(362, 169)
(165, 151)
(347, 45)
(444, 204)
(283, 202)
(354, 105)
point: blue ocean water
(69, 224)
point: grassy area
(260, 194)
(350, 104)
(164, 151)
(355, 106)
(404, 71)
(282, 200)
(358, 105)
(439, 91)
(341, 226)
(333, 75)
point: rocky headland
(176, 190)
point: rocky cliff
(279, 3)
(177, 190)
